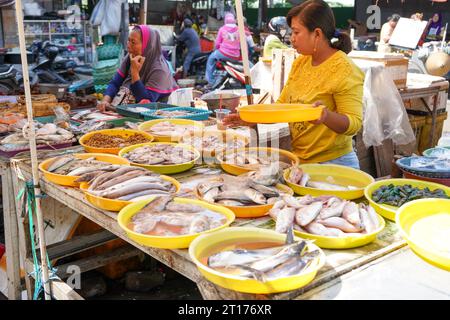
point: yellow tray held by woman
(389, 211)
(173, 242)
(425, 225)
(208, 244)
(113, 204)
(69, 181)
(237, 170)
(331, 173)
(163, 169)
(279, 113)
(111, 132)
(343, 242)
(146, 127)
(252, 211)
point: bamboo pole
(244, 50)
(145, 11)
(32, 137)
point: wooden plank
(11, 236)
(97, 261)
(383, 158)
(78, 244)
(62, 291)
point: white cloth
(107, 15)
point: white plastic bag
(98, 13)
(385, 116)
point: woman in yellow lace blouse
(323, 74)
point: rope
(30, 203)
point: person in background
(323, 74)
(227, 47)
(417, 16)
(386, 33)
(252, 47)
(276, 39)
(143, 74)
(192, 43)
(434, 28)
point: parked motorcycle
(229, 75)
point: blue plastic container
(195, 114)
(125, 109)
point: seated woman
(144, 72)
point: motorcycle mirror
(283, 32)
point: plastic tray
(280, 113)
(405, 164)
(12, 153)
(124, 109)
(198, 115)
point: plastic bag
(98, 13)
(62, 118)
(385, 116)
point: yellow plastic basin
(388, 211)
(206, 244)
(238, 170)
(343, 242)
(425, 225)
(178, 242)
(251, 211)
(277, 113)
(146, 126)
(163, 169)
(112, 132)
(341, 175)
(116, 205)
(69, 181)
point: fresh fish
(203, 188)
(235, 257)
(334, 210)
(211, 194)
(293, 266)
(133, 196)
(369, 218)
(267, 175)
(285, 220)
(351, 213)
(304, 180)
(341, 224)
(158, 204)
(87, 177)
(183, 207)
(158, 183)
(318, 229)
(236, 195)
(295, 175)
(272, 200)
(125, 177)
(325, 186)
(306, 215)
(199, 224)
(268, 192)
(255, 196)
(293, 202)
(59, 162)
(155, 193)
(230, 203)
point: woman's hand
(233, 120)
(136, 65)
(104, 104)
(324, 115)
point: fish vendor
(322, 75)
(144, 73)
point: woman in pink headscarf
(144, 73)
(228, 47)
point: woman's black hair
(318, 14)
(395, 17)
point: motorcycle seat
(237, 66)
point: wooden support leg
(11, 236)
(23, 228)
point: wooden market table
(339, 262)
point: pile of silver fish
(128, 183)
(255, 188)
(45, 134)
(324, 216)
(72, 166)
(172, 114)
(160, 154)
(166, 128)
(266, 264)
(165, 217)
(87, 115)
(89, 126)
(210, 143)
(253, 160)
(297, 176)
